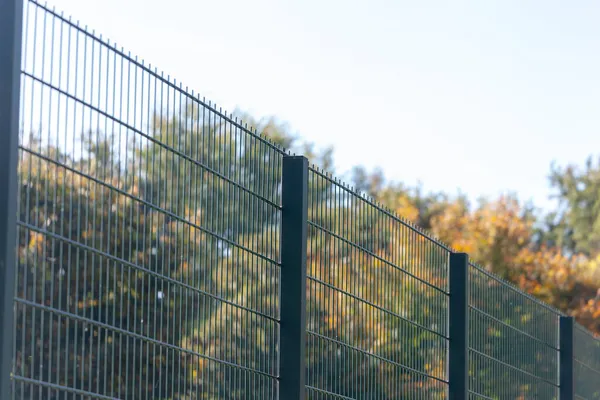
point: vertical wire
(156, 177)
(47, 263)
(179, 238)
(207, 301)
(228, 266)
(142, 225)
(196, 317)
(161, 198)
(71, 184)
(24, 186)
(62, 233)
(252, 234)
(146, 235)
(171, 172)
(342, 293)
(134, 226)
(79, 325)
(123, 370)
(186, 243)
(91, 208)
(99, 210)
(219, 212)
(212, 249)
(34, 361)
(107, 263)
(115, 237)
(127, 240)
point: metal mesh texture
(513, 340)
(586, 351)
(148, 259)
(148, 266)
(377, 306)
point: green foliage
(575, 226)
(174, 237)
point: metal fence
(164, 250)
(586, 364)
(514, 349)
(377, 300)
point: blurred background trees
(153, 211)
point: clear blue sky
(479, 96)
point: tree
(575, 226)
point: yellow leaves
(463, 246)
(87, 303)
(184, 266)
(404, 208)
(332, 321)
(36, 241)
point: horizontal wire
(144, 338)
(158, 77)
(328, 393)
(522, 371)
(153, 206)
(586, 366)
(153, 140)
(163, 278)
(265, 200)
(517, 290)
(380, 358)
(480, 395)
(388, 312)
(62, 388)
(369, 252)
(583, 330)
(513, 328)
(385, 212)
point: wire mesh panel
(377, 303)
(148, 251)
(513, 342)
(586, 349)
(148, 265)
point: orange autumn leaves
(499, 235)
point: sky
(472, 96)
